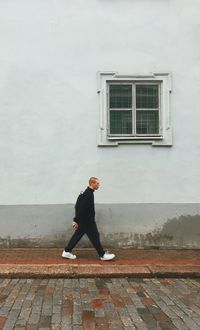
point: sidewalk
(129, 262)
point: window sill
(136, 137)
(155, 141)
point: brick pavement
(44, 262)
(100, 303)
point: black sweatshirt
(84, 208)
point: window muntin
(134, 109)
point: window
(134, 109)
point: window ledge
(135, 137)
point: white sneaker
(68, 255)
(107, 256)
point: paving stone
(36, 309)
(77, 327)
(166, 326)
(47, 311)
(21, 322)
(125, 318)
(31, 327)
(153, 309)
(116, 327)
(77, 318)
(56, 318)
(99, 312)
(26, 304)
(12, 318)
(100, 284)
(179, 324)
(117, 300)
(161, 317)
(101, 304)
(34, 318)
(168, 310)
(134, 315)
(66, 322)
(5, 282)
(101, 323)
(136, 300)
(167, 300)
(38, 300)
(196, 320)
(149, 320)
(55, 327)
(56, 309)
(25, 312)
(87, 306)
(45, 322)
(3, 320)
(88, 320)
(190, 323)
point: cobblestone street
(100, 304)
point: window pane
(121, 122)
(146, 96)
(120, 96)
(147, 122)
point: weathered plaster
(139, 225)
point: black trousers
(92, 232)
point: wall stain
(179, 232)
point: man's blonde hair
(93, 179)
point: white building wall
(50, 54)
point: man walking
(84, 223)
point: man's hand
(74, 224)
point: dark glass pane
(146, 96)
(120, 122)
(120, 96)
(147, 122)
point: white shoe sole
(102, 259)
(70, 258)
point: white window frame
(164, 138)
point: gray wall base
(139, 225)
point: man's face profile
(95, 184)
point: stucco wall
(50, 54)
(139, 225)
